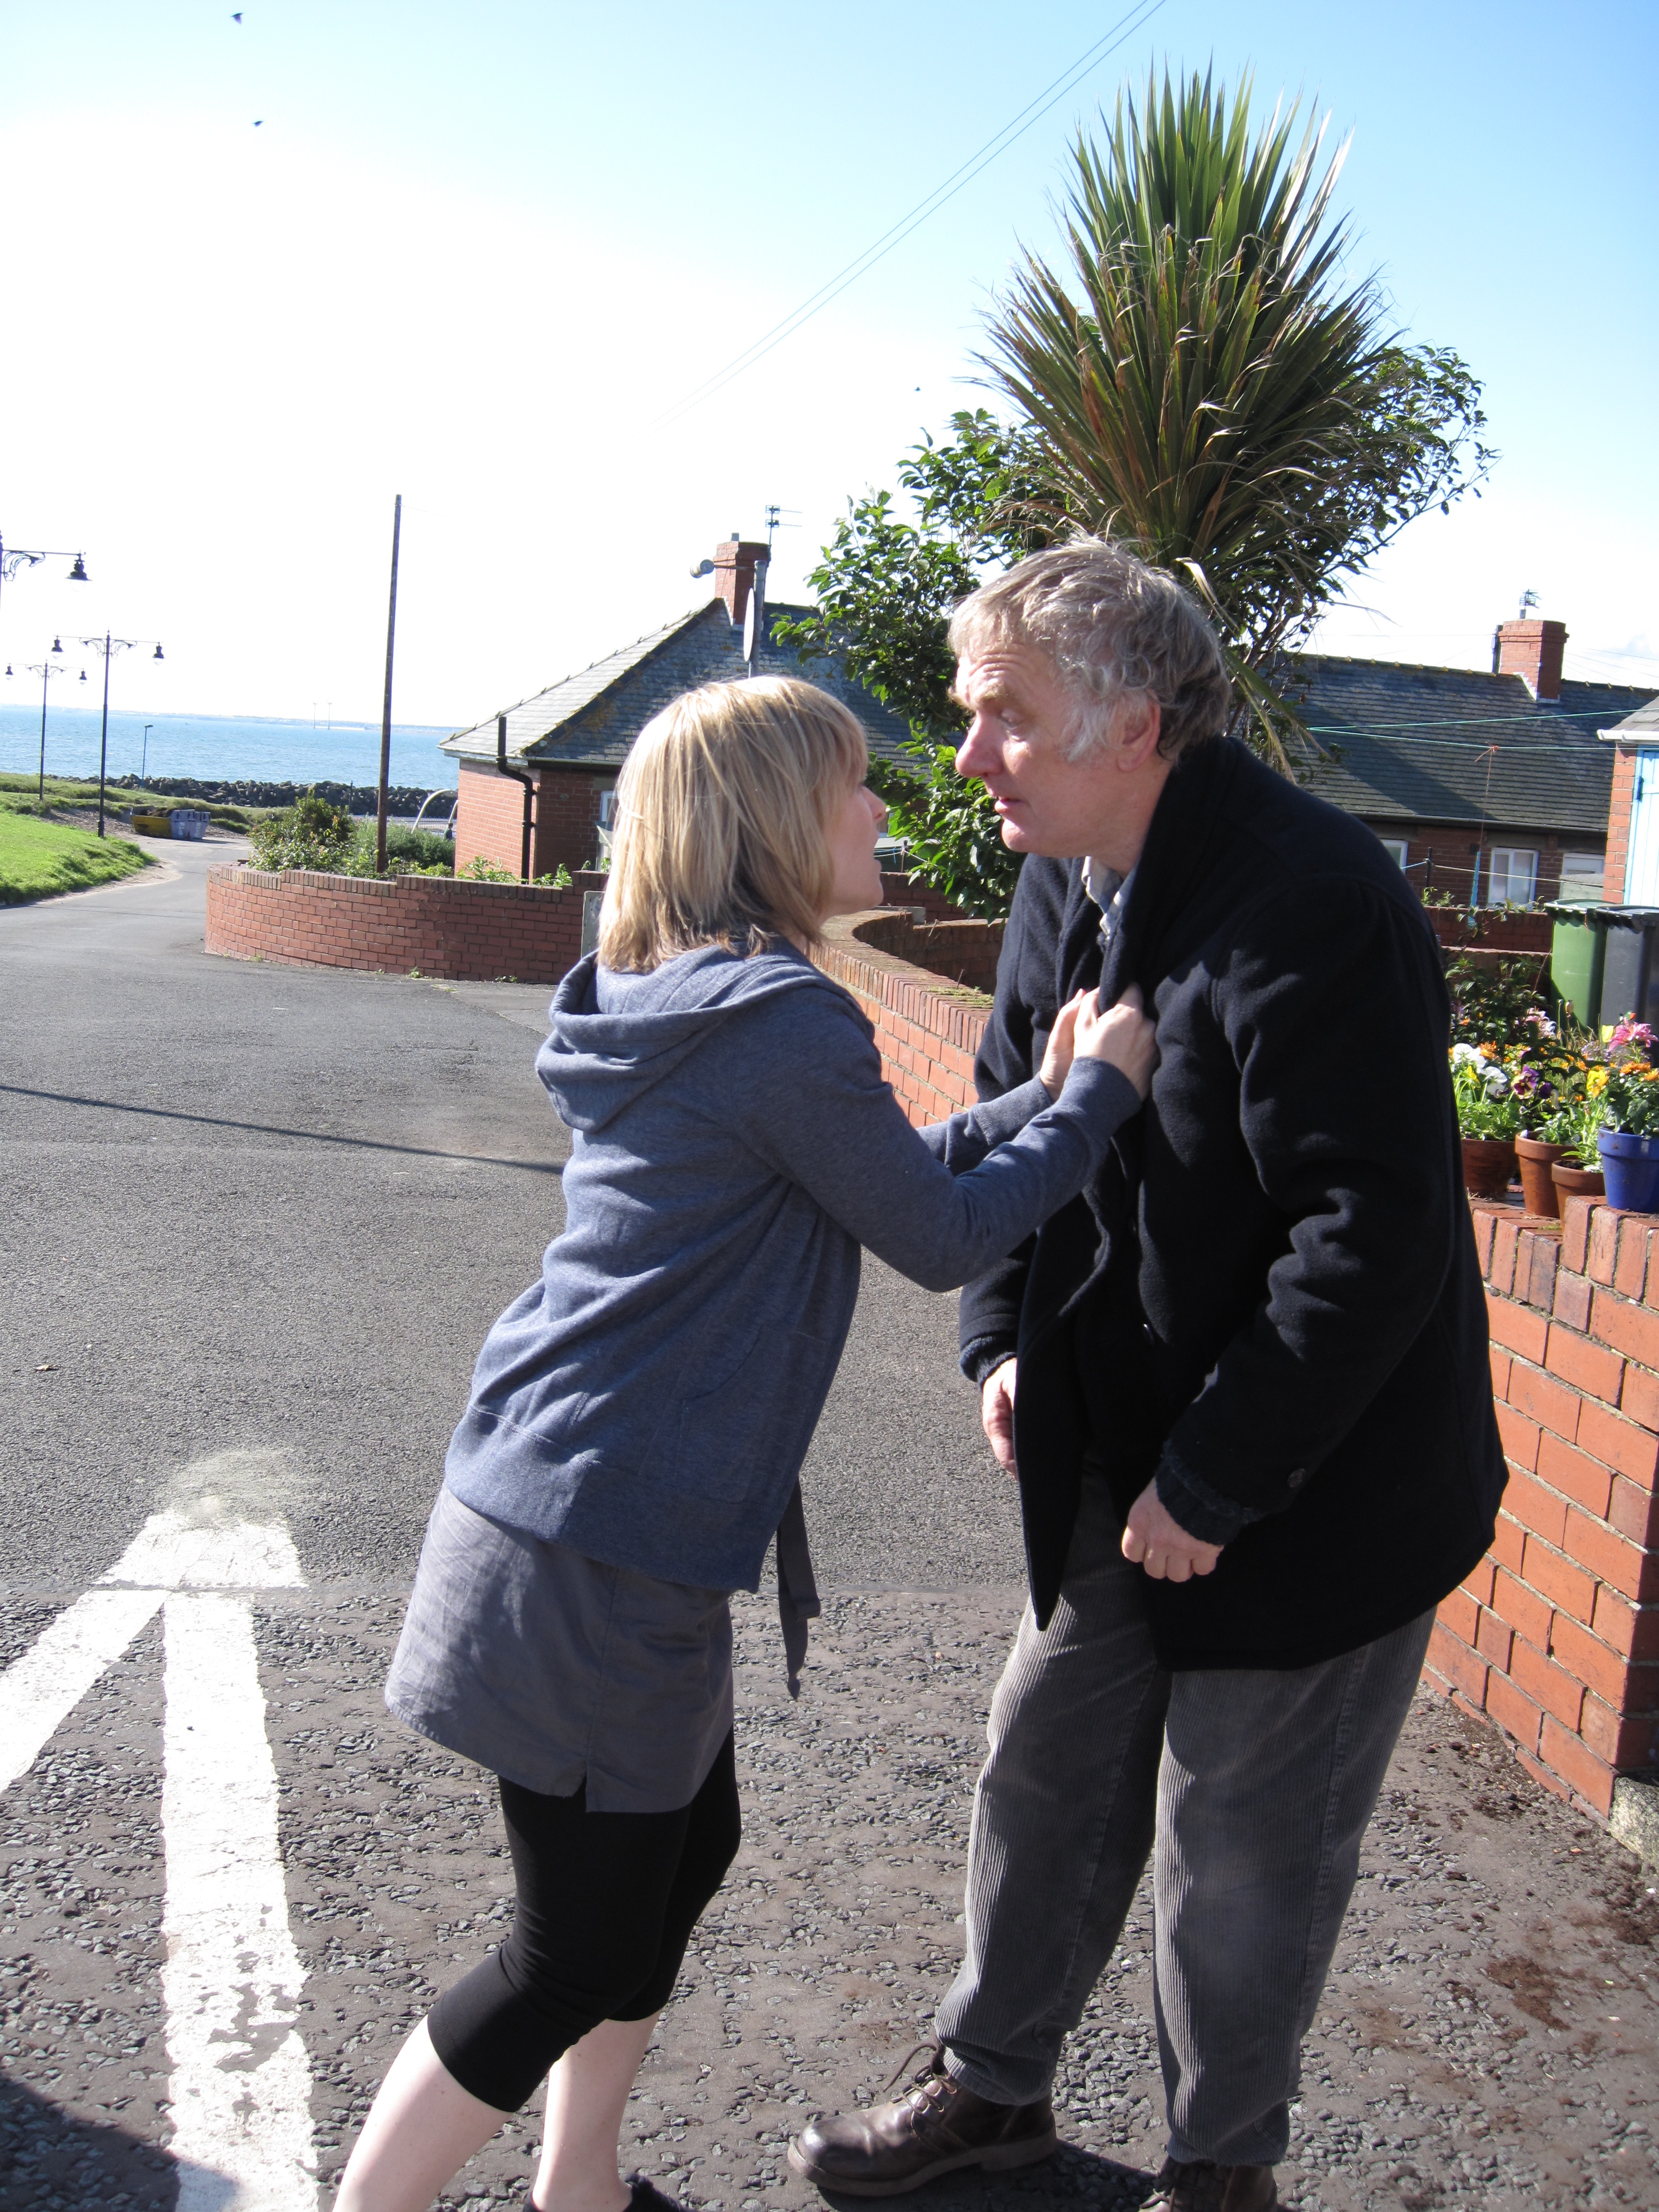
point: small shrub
(419, 848)
(310, 834)
(481, 871)
(558, 881)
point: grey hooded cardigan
(649, 1400)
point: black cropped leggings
(606, 1905)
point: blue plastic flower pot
(1631, 1165)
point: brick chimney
(734, 573)
(1532, 651)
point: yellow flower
(1487, 1049)
(1596, 1082)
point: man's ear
(1135, 732)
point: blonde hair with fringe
(723, 815)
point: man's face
(1022, 719)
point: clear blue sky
(473, 253)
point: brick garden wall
(962, 952)
(927, 1030)
(1555, 1637)
(463, 931)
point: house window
(607, 807)
(1395, 848)
(1512, 877)
(1581, 879)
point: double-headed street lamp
(14, 558)
(108, 646)
(45, 670)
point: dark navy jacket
(1269, 1297)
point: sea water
(220, 747)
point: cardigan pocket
(738, 1434)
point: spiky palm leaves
(1208, 389)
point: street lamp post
(45, 670)
(143, 764)
(14, 558)
(108, 646)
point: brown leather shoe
(1203, 2186)
(937, 2126)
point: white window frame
(1396, 848)
(1501, 868)
(1581, 868)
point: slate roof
(591, 718)
(1642, 727)
(1456, 745)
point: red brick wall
(1502, 932)
(468, 932)
(910, 890)
(927, 1030)
(1441, 857)
(1624, 790)
(1555, 1637)
(568, 817)
(490, 817)
(961, 951)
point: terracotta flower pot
(1536, 1159)
(1578, 1183)
(1488, 1165)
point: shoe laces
(930, 2076)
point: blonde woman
(638, 1418)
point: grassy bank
(18, 793)
(40, 858)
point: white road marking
(241, 2080)
(39, 1691)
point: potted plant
(1549, 1072)
(1577, 1173)
(1488, 1118)
(1626, 1091)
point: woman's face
(853, 834)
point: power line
(1121, 32)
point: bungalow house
(1495, 787)
(1490, 786)
(549, 777)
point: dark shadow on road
(270, 1129)
(49, 2156)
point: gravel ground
(1488, 2036)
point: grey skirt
(555, 1672)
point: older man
(1253, 1425)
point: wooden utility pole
(385, 710)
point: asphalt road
(257, 1221)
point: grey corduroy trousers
(1251, 1788)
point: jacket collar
(1191, 811)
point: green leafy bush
(310, 834)
(481, 871)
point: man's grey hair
(1114, 628)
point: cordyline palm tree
(1205, 387)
